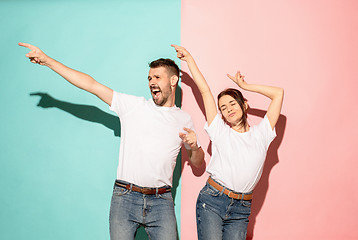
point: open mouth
(155, 92)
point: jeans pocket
(118, 191)
(246, 203)
(210, 191)
(166, 196)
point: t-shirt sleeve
(191, 126)
(215, 127)
(268, 134)
(123, 103)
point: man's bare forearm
(197, 157)
(78, 79)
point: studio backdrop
(59, 145)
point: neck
(170, 103)
(239, 128)
(171, 100)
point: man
(150, 142)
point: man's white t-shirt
(237, 158)
(150, 140)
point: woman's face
(230, 109)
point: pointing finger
(231, 77)
(179, 49)
(188, 130)
(29, 46)
(176, 46)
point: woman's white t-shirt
(237, 158)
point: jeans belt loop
(131, 185)
(222, 191)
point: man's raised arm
(79, 79)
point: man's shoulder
(185, 116)
(128, 97)
(121, 94)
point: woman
(238, 154)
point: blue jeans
(130, 210)
(221, 217)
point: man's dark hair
(169, 64)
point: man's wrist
(49, 62)
(195, 148)
(190, 59)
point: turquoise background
(57, 163)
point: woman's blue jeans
(130, 210)
(220, 217)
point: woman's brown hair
(237, 95)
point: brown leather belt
(144, 190)
(229, 193)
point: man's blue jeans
(130, 210)
(220, 217)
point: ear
(174, 80)
(246, 106)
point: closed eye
(155, 76)
(233, 102)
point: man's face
(159, 85)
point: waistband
(143, 190)
(228, 192)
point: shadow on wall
(84, 112)
(185, 78)
(94, 114)
(272, 159)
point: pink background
(309, 186)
